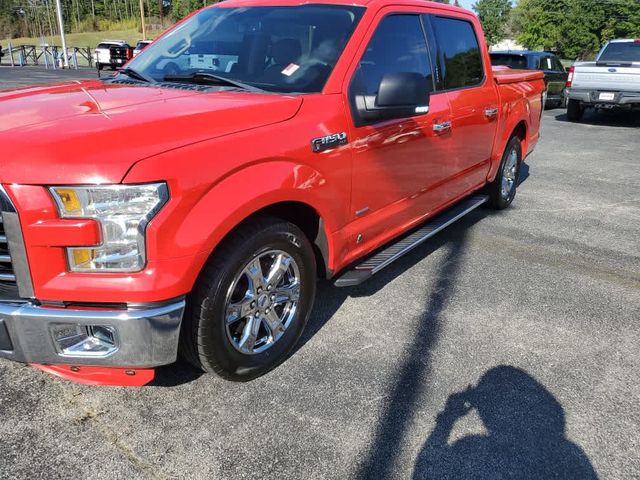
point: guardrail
(50, 56)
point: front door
(395, 161)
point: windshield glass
(278, 49)
(513, 61)
(621, 52)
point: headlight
(123, 212)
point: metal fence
(49, 56)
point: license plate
(607, 96)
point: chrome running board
(372, 265)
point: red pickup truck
(189, 203)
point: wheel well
(521, 132)
(308, 220)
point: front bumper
(144, 338)
(592, 97)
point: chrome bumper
(143, 337)
(589, 96)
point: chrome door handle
(490, 112)
(442, 127)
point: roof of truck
(257, 3)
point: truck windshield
(289, 49)
(621, 52)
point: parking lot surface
(506, 347)
(15, 77)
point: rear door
(461, 65)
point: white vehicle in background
(112, 54)
(141, 45)
(611, 81)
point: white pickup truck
(611, 81)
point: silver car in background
(612, 81)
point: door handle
(490, 112)
(442, 127)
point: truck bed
(502, 75)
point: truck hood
(93, 132)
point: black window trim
(354, 114)
(483, 80)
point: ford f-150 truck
(611, 82)
(189, 203)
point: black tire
(205, 341)
(497, 200)
(574, 110)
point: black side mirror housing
(400, 95)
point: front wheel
(502, 190)
(252, 300)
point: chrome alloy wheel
(262, 301)
(509, 173)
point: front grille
(8, 285)
(7, 275)
(15, 278)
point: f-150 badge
(328, 141)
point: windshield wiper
(206, 77)
(130, 72)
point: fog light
(84, 340)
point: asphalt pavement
(15, 77)
(506, 347)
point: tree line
(575, 29)
(37, 18)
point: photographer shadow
(524, 439)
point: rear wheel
(252, 300)
(503, 188)
(574, 110)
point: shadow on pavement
(524, 173)
(329, 298)
(606, 119)
(176, 374)
(524, 439)
(415, 367)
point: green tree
(494, 16)
(574, 28)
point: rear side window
(557, 65)
(398, 45)
(545, 63)
(459, 56)
(509, 60)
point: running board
(377, 262)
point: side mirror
(400, 95)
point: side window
(459, 53)
(544, 63)
(557, 65)
(398, 45)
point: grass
(84, 40)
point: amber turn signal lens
(69, 200)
